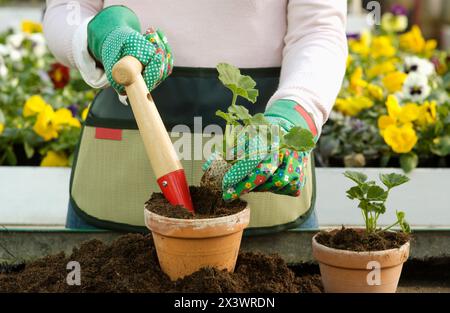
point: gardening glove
(115, 32)
(277, 171)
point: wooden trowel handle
(160, 151)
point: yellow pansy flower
(44, 125)
(2, 127)
(31, 27)
(394, 23)
(400, 139)
(430, 46)
(409, 113)
(349, 61)
(393, 106)
(394, 81)
(375, 91)
(382, 47)
(384, 121)
(431, 108)
(34, 105)
(414, 42)
(382, 68)
(353, 105)
(361, 46)
(84, 114)
(53, 158)
(357, 83)
(398, 114)
(427, 113)
(63, 117)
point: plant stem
(364, 218)
(233, 102)
(367, 221)
(390, 226)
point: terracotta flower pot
(365, 272)
(184, 246)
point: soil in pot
(357, 240)
(130, 264)
(207, 204)
(176, 232)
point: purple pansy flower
(355, 36)
(398, 9)
(74, 109)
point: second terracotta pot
(362, 272)
(184, 246)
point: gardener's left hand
(280, 172)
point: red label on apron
(108, 133)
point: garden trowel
(163, 158)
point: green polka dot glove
(278, 171)
(115, 32)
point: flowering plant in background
(394, 105)
(42, 102)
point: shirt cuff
(308, 101)
(85, 63)
(290, 114)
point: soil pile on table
(130, 264)
(207, 204)
(357, 240)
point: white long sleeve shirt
(306, 38)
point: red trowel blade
(176, 190)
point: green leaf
(2, 117)
(240, 112)
(363, 205)
(400, 215)
(393, 180)
(376, 207)
(381, 208)
(229, 118)
(384, 160)
(259, 119)
(29, 150)
(365, 186)
(408, 162)
(441, 146)
(239, 84)
(355, 193)
(402, 222)
(376, 193)
(298, 139)
(357, 177)
(11, 156)
(406, 228)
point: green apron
(111, 175)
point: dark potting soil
(207, 204)
(130, 264)
(357, 240)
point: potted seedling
(210, 236)
(268, 138)
(370, 259)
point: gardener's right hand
(115, 32)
